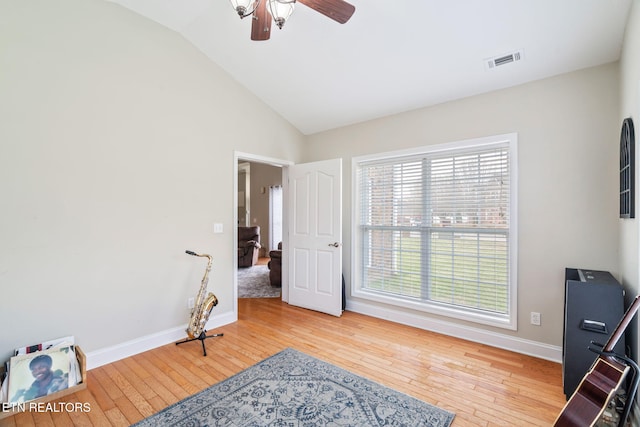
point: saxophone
(203, 305)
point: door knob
(335, 244)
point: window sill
(499, 321)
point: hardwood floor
(483, 386)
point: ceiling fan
(278, 11)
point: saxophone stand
(203, 336)
(203, 306)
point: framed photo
(39, 374)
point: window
(435, 229)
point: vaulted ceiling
(395, 55)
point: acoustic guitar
(600, 384)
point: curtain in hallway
(275, 216)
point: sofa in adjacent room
(248, 245)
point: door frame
(284, 164)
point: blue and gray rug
(294, 389)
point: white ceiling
(395, 55)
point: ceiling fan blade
(261, 22)
(338, 10)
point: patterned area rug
(253, 282)
(294, 389)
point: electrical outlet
(535, 318)
(191, 302)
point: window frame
(506, 321)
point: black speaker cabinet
(594, 305)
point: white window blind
(434, 228)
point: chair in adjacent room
(275, 267)
(248, 245)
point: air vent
(504, 59)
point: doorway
(312, 224)
(254, 177)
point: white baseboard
(532, 348)
(507, 342)
(129, 348)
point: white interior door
(315, 236)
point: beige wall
(630, 107)
(567, 167)
(116, 155)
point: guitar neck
(622, 326)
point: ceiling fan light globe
(281, 10)
(279, 22)
(244, 8)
